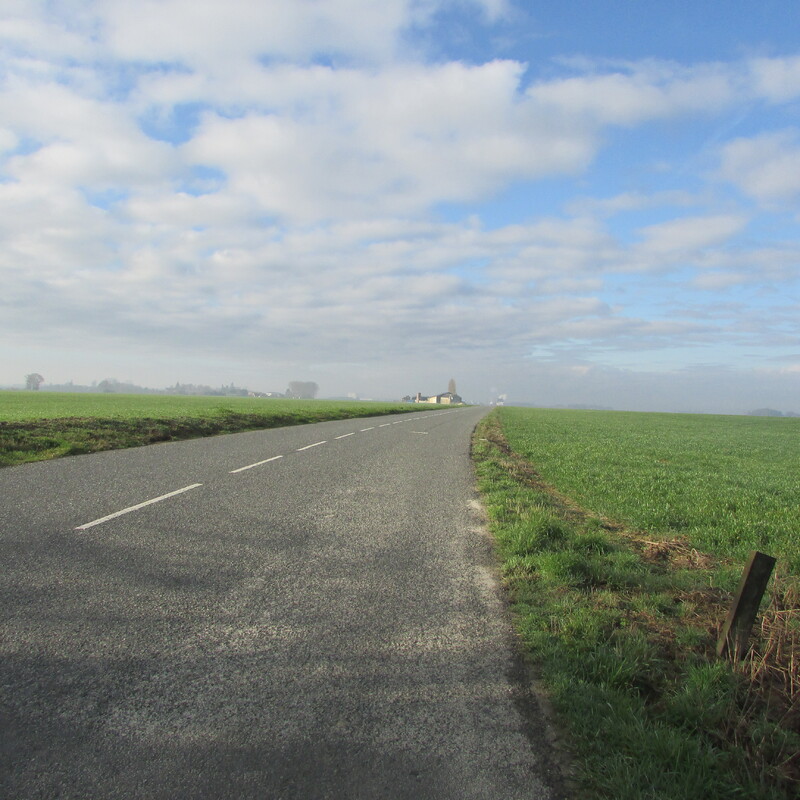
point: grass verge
(622, 626)
(125, 421)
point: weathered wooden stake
(736, 630)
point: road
(305, 612)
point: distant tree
(33, 381)
(451, 386)
(305, 390)
(765, 412)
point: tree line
(303, 390)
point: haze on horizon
(594, 204)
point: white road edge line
(364, 430)
(345, 435)
(257, 464)
(309, 446)
(136, 507)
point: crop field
(622, 539)
(43, 425)
(25, 406)
(728, 484)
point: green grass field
(43, 425)
(728, 484)
(27, 406)
(622, 537)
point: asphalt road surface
(306, 612)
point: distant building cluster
(446, 398)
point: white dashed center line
(309, 446)
(257, 464)
(136, 507)
(240, 469)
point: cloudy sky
(569, 203)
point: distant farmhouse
(446, 399)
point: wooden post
(736, 630)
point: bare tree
(33, 381)
(306, 390)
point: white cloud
(776, 79)
(54, 30)
(766, 167)
(630, 201)
(645, 91)
(395, 142)
(77, 141)
(203, 33)
(344, 291)
(230, 285)
(318, 142)
(769, 264)
(8, 140)
(415, 135)
(690, 234)
(494, 9)
(716, 280)
(186, 211)
(317, 233)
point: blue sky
(588, 203)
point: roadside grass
(36, 426)
(621, 619)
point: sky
(575, 203)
